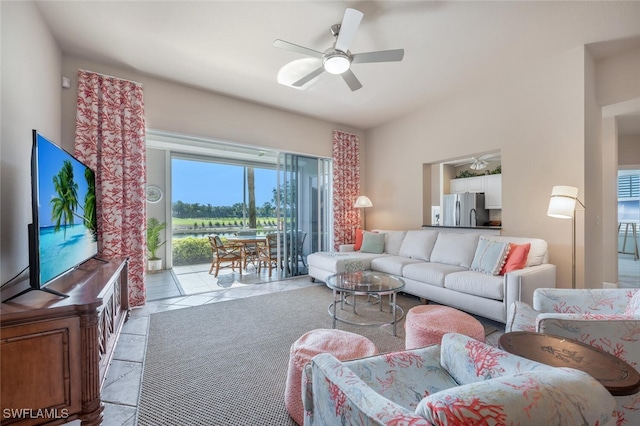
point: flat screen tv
(63, 233)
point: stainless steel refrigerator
(465, 210)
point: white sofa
(435, 265)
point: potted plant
(154, 228)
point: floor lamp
(362, 202)
(562, 204)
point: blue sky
(50, 161)
(217, 184)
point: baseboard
(609, 285)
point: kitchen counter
(492, 230)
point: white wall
(31, 86)
(535, 118)
(609, 141)
(618, 77)
(629, 150)
(593, 197)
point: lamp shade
(562, 203)
(363, 201)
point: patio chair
(300, 236)
(268, 253)
(250, 249)
(231, 255)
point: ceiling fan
(479, 163)
(338, 59)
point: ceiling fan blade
(352, 81)
(348, 28)
(281, 44)
(307, 78)
(394, 55)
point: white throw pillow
(455, 249)
(393, 241)
(418, 244)
(490, 256)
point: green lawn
(222, 221)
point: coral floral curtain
(110, 138)
(346, 187)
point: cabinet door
(41, 367)
(458, 186)
(475, 184)
(493, 192)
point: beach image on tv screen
(66, 211)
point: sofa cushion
(476, 283)
(533, 397)
(430, 273)
(490, 256)
(517, 257)
(469, 360)
(455, 249)
(521, 317)
(372, 242)
(336, 262)
(393, 241)
(418, 244)
(633, 308)
(404, 377)
(391, 264)
(538, 253)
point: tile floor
(122, 386)
(195, 279)
(628, 271)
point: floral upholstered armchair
(608, 319)
(461, 381)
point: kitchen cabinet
(491, 185)
(493, 192)
(472, 184)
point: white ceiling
(226, 46)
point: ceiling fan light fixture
(479, 165)
(336, 62)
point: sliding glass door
(303, 209)
(218, 188)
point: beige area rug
(226, 363)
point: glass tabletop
(370, 282)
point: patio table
(245, 241)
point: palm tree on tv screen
(64, 205)
(90, 219)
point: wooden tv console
(55, 352)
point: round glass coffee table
(347, 286)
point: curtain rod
(111, 76)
